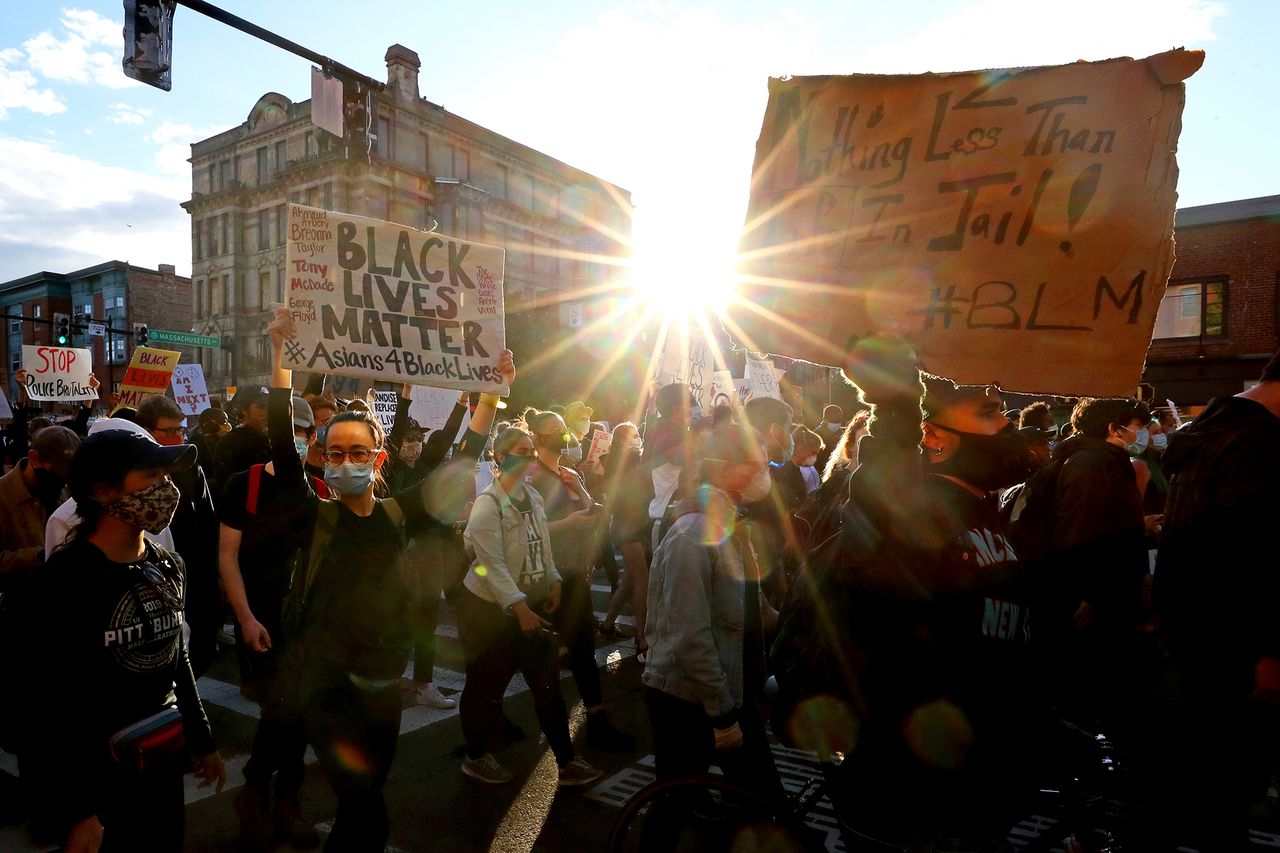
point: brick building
(563, 228)
(113, 293)
(1219, 321)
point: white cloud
(88, 51)
(18, 88)
(65, 209)
(127, 114)
(173, 141)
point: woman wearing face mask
(699, 708)
(114, 776)
(1156, 489)
(352, 601)
(512, 584)
(577, 525)
(798, 477)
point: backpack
(1029, 512)
(293, 611)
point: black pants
(279, 744)
(495, 648)
(684, 745)
(354, 733)
(575, 621)
(143, 811)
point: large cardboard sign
(763, 377)
(59, 374)
(374, 299)
(149, 372)
(1014, 225)
(189, 389)
(685, 355)
(430, 408)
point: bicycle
(713, 814)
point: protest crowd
(948, 601)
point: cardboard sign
(149, 372)
(189, 389)
(1014, 225)
(384, 408)
(723, 391)
(6, 411)
(686, 356)
(763, 378)
(601, 441)
(430, 408)
(385, 301)
(59, 374)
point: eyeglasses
(168, 589)
(358, 455)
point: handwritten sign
(763, 378)
(601, 441)
(686, 356)
(384, 408)
(149, 372)
(1015, 226)
(189, 389)
(430, 408)
(375, 299)
(58, 373)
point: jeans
(354, 733)
(495, 648)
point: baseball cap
(108, 455)
(303, 417)
(248, 396)
(577, 410)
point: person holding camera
(577, 526)
(511, 584)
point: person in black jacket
(119, 603)
(1216, 590)
(247, 444)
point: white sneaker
(430, 695)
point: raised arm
(284, 456)
(482, 421)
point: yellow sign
(149, 372)
(1014, 225)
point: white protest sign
(686, 357)
(375, 299)
(384, 408)
(763, 378)
(189, 389)
(6, 411)
(724, 391)
(601, 441)
(58, 374)
(430, 407)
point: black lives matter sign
(378, 300)
(1014, 225)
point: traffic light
(140, 334)
(356, 119)
(62, 329)
(148, 41)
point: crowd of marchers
(946, 594)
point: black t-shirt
(271, 537)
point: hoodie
(1217, 584)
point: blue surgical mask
(1139, 442)
(574, 453)
(834, 427)
(349, 479)
(1160, 441)
(300, 445)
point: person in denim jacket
(696, 603)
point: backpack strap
(255, 484)
(395, 513)
(321, 536)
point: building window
(264, 288)
(280, 217)
(119, 305)
(282, 155)
(15, 363)
(35, 311)
(211, 248)
(226, 294)
(462, 165)
(225, 222)
(328, 196)
(117, 349)
(441, 160)
(264, 229)
(212, 178)
(15, 328)
(280, 285)
(308, 143)
(197, 287)
(520, 190)
(384, 137)
(224, 174)
(1192, 309)
(262, 164)
(197, 249)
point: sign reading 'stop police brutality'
(375, 299)
(1015, 225)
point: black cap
(107, 456)
(248, 396)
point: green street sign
(159, 336)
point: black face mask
(48, 486)
(987, 462)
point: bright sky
(663, 99)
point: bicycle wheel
(700, 814)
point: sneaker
(578, 772)
(603, 735)
(430, 695)
(487, 769)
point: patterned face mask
(150, 509)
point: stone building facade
(563, 228)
